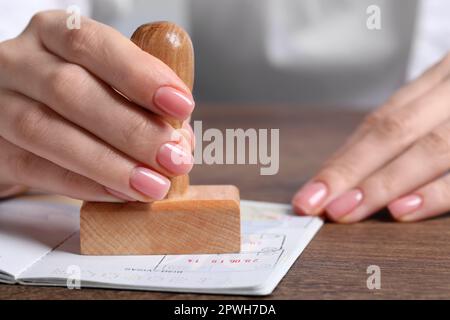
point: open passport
(39, 245)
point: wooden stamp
(192, 219)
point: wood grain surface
(205, 219)
(414, 258)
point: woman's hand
(398, 157)
(64, 129)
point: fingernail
(174, 102)
(344, 204)
(150, 183)
(310, 197)
(119, 195)
(172, 157)
(406, 205)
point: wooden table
(414, 258)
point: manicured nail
(344, 204)
(310, 197)
(174, 102)
(175, 159)
(406, 205)
(150, 183)
(119, 195)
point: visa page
(272, 240)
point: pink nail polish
(150, 183)
(405, 205)
(172, 157)
(174, 102)
(310, 197)
(119, 195)
(344, 204)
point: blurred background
(289, 52)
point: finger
(116, 60)
(415, 89)
(36, 128)
(7, 191)
(419, 87)
(429, 201)
(402, 98)
(388, 137)
(97, 108)
(424, 162)
(18, 166)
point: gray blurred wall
(234, 62)
(243, 47)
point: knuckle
(8, 56)
(69, 179)
(339, 172)
(144, 133)
(39, 19)
(64, 79)
(436, 142)
(137, 133)
(30, 125)
(387, 183)
(390, 127)
(20, 165)
(381, 186)
(372, 120)
(82, 41)
(102, 156)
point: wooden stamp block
(193, 219)
(205, 220)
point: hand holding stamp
(193, 219)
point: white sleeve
(14, 15)
(432, 40)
